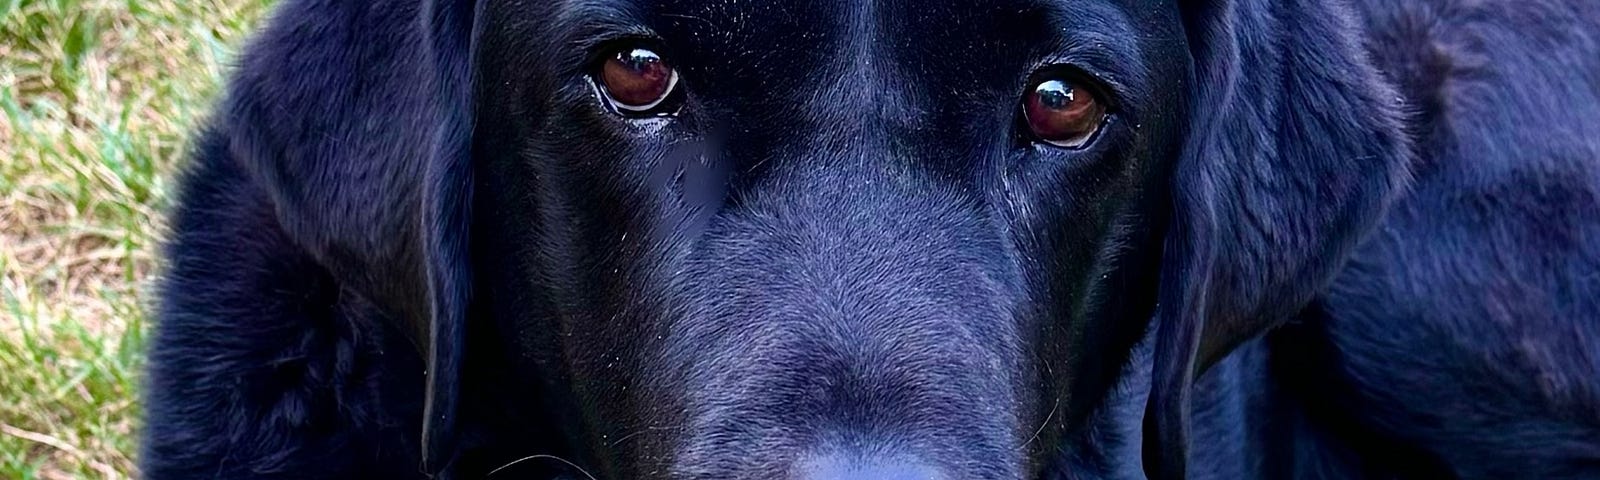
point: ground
(97, 100)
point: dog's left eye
(1062, 111)
(637, 81)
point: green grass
(97, 98)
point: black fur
(414, 243)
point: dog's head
(863, 239)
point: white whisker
(533, 457)
(1046, 423)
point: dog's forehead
(929, 52)
(909, 31)
(817, 23)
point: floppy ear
(446, 195)
(1295, 150)
(355, 118)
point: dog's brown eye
(1063, 113)
(637, 80)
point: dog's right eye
(637, 81)
(1062, 111)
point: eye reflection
(1063, 113)
(637, 80)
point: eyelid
(1116, 65)
(1098, 83)
(600, 49)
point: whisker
(628, 436)
(641, 431)
(534, 457)
(1046, 423)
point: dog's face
(871, 238)
(816, 240)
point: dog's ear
(446, 210)
(355, 118)
(1295, 150)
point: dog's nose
(842, 467)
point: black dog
(895, 240)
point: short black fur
(1315, 239)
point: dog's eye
(1062, 112)
(637, 80)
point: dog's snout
(856, 467)
(841, 309)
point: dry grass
(96, 100)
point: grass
(97, 98)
